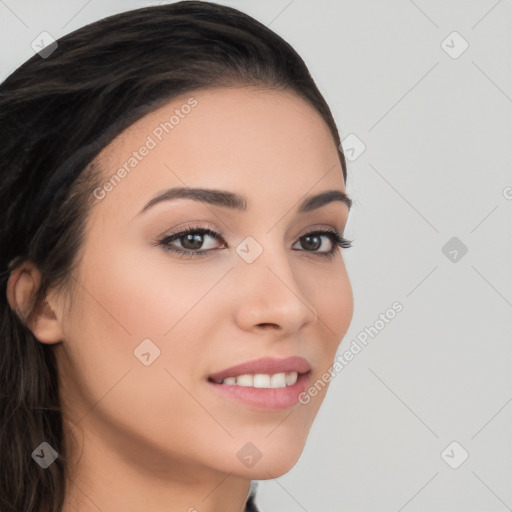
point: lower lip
(266, 399)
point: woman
(174, 291)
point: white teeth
(245, 380)
(291, 378)
(278, 380)
(262, 380)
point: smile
(262, 380)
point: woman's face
(149, 326)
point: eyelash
(336, 239)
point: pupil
(195, 240)
(315, 245)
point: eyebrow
(236, 201)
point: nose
(270, 294)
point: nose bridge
(271, 290)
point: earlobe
(41, 319)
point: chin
(263, 458)
(275, 467)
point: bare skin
(157, 437)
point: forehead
(257, 142)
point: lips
(268, 366)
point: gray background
(437, 162)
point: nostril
(268, 324)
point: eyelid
(199, 224)
(320, 226)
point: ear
(41, 319)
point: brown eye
(312, 242)
(191, 240)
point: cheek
(340, 308)
(330, 293)
(146, 291)
(126, 303)
(131, 298)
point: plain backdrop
(420, 419)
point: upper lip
(266, 365)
